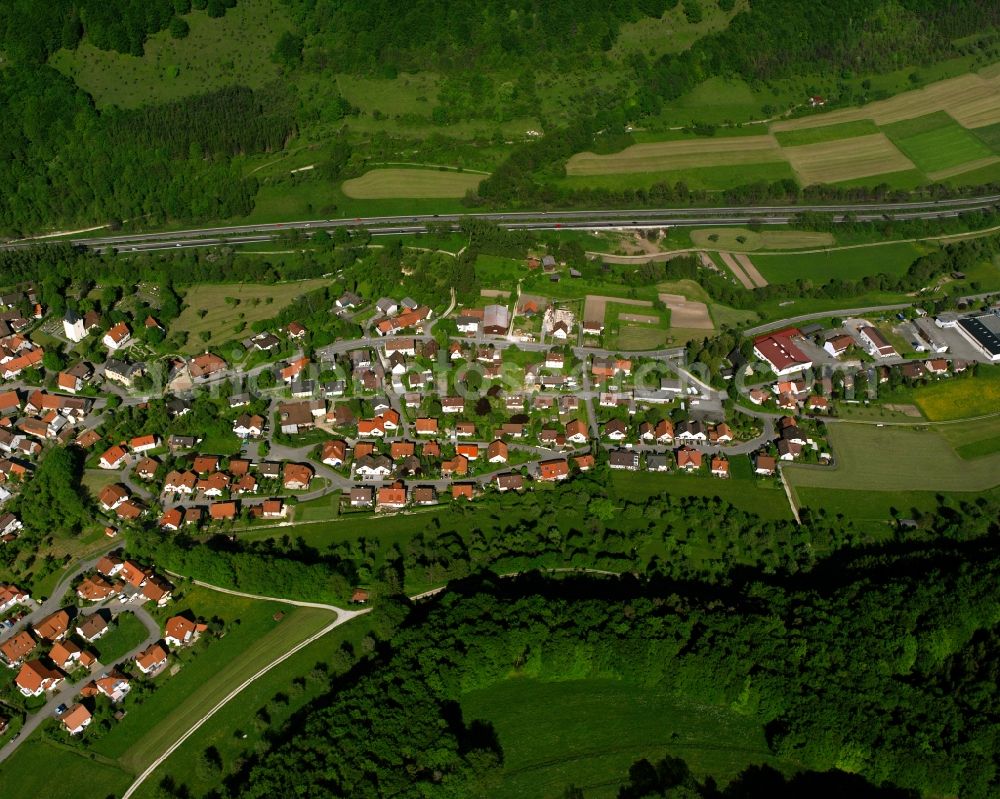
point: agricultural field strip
(736, 269)
(972, 100)
(670, 155)
(744, 261)
(846, 159)
(961, 169)
(410, 184)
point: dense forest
(885, 666)
(63, 161)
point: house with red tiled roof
(114, 458)
(584, 462)
(462, 490)
(688, 459)
(16, 648)
(294, 368)
(152, 660)
(65, 654)
(553, 470)
(401, 449)
(296, 476)
(144, 443)
(117, 336)
(222, 511)
(426, 426)
(458, 465)
(114, 686)
(204, 464)
(497, 452)
(172, 519)
(205, 365)
(134, 574)
(95, 588)
(180, 630)
(53, 627)
(35, 678)
(469, 451)
(76, 719)
(273, 509)
(391, 497)
(720, 467)
(112, 496)
(180, 483)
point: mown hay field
(410, 184)
(846, 159)
(671, 155)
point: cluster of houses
(226, 490)
(51, 650)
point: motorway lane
(533, 220)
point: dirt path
(736, 269)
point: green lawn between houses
(587, 733)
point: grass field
(30, 772)
(254, 301)
(240, 714)
(728, 238)
(125, 635)
(710, 178)
(588, 732)
(896, 459)
(216, 53)
(379, 184)
(961, 398)
(867, 507)
(938, 145)
(756, 497)
(845, 130)
(852, 263)
(634, 328)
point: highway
(526, 220)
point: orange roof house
(296, 476)
(689, 459)
(222, 511)
(35, 678)
(53, 627)
(152, 659)
(553, 470)
(17, 648)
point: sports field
(588, 732)
(410, 183)
(871, 458)
(741, 239)
(253, 302)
